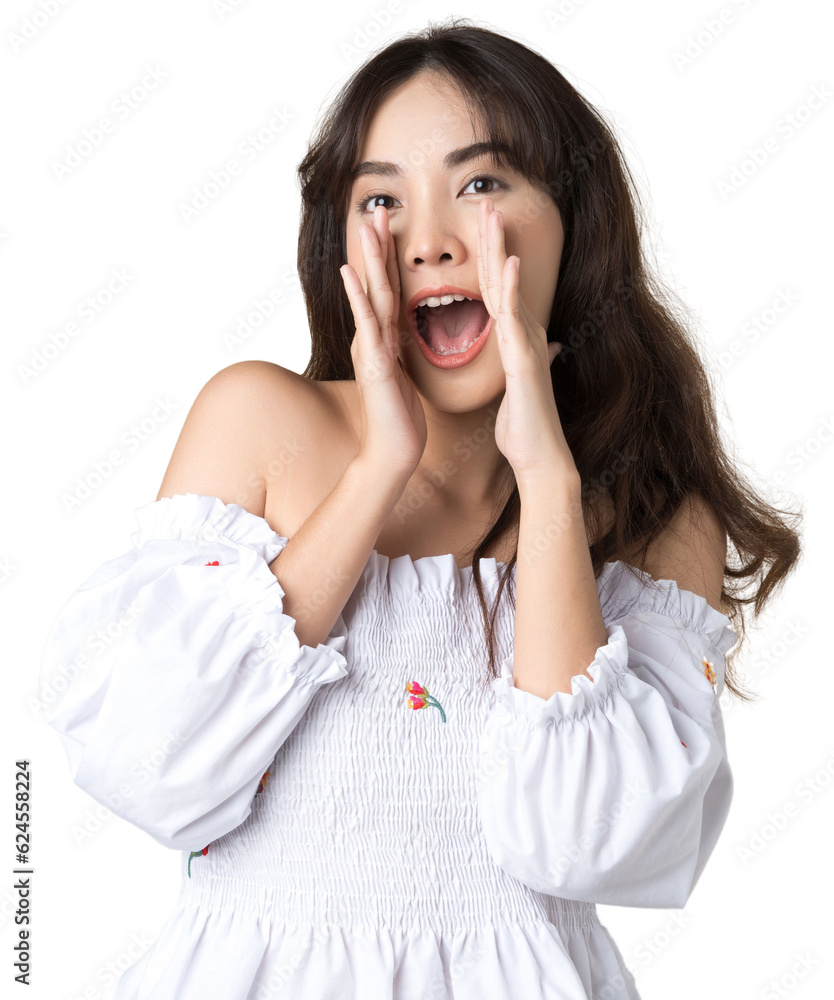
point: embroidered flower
(709, 672)
(196, 854)
(261, 786)
(215, 563)
(419, 697)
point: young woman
(303, 694)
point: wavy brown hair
(634, 398)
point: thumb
(553, 348)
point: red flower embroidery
(215, 563)
(261, 785)
(419, 697)
(709, 672)
(196, 854)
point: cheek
(539, 288)
(352, 246)
(546, 249)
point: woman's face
(433, 218)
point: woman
(296, 697)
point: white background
(688, 102)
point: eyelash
(360, 205)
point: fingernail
(500, 220)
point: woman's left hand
(528, 430)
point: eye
(485, 177)
(361, 205)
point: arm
(173, 676)
(321, 564)
(617, 791)
(222, 452)
(172, 723)
(557, 606)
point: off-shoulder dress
(369, 819)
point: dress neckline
(200, 518)
(438, 560)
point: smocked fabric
(422, 833)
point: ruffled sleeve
(617, 792)
(173, 676)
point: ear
(553, 349)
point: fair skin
(558, 605)
(437, 241)
(312, 458)
(436, 216)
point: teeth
(456, 350)
(442, 300)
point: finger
(527, 317)
(371, 357)
(359, 304)
(481, 267)
(380, 295)
(392, 271)
(508, 310)
(491, 301)
(496, 255)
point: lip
(424, 293)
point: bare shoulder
(691, 550)
(243, 417)
(309, 441)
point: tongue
(454, 327)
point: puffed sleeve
(617, 792)
(173, 676)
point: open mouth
(453, 328)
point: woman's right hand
(392, 421)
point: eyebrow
(384, 168)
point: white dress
(364, 840)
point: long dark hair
(634, 398)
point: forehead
(421, 121)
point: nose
(430, 243)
